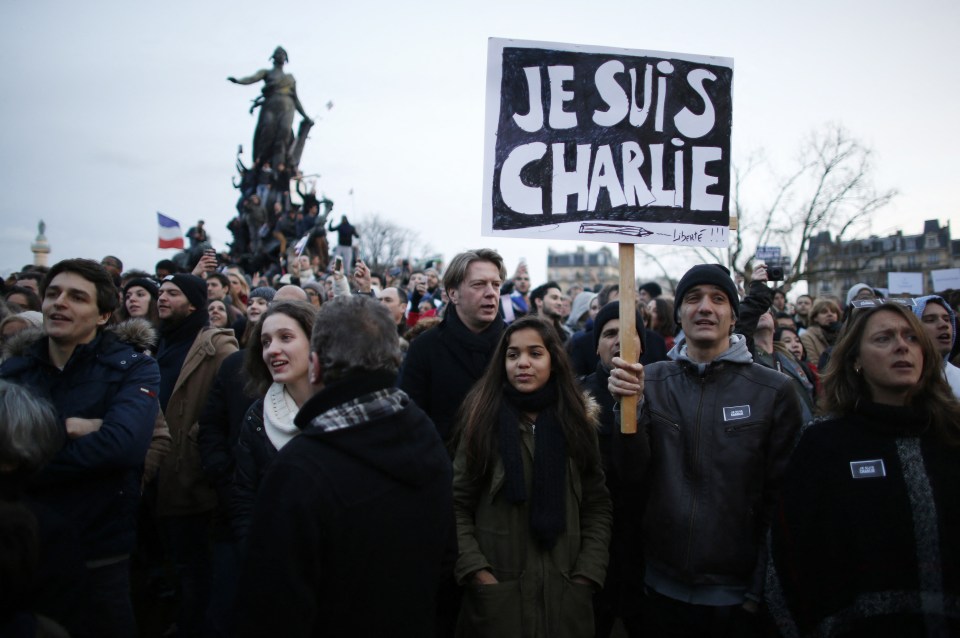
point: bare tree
(382, 242)
(829, 188)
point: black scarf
(475, 348)
(176, 339)
(548, 503)
(894, 420)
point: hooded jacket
(950, 372)
(720, 435)
(94, 481)
(352, 520)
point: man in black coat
(444, 362)
(353, 519)
(619, 593)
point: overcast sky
(112, 111)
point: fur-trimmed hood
(137, 333)
(593, 409)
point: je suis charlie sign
(604, 144)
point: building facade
(589, 269)
(833, 267)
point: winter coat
(442, 365)
(220, 424)
(536, 595)
(351, 523)
(865, 539)
(182, 486)
(94, 481)
(719, 437)
(814, 342)
(254, 453)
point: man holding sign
(714, 434)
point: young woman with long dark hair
(533, 513)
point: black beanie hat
(652, 288)
(612, 311)
(192, 286)
(147, 284)
(709, 274)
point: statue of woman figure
(273, 138)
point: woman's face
(891, 358)
(218, 314)
(235, 286)
(594, 307)
(652, 311)
(313, 297)
(256, 306)
(528, 361)
(791, 341)
(137, 301)
(826, 316)
(286, 348)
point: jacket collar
(338, 392)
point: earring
(858, 369)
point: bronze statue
(273, 139)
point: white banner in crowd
(947, 279)
(905, 282)
(604, 144)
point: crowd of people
(438, 451)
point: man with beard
(546, 300)
(517, 303)
(189, 354)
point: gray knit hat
(263, 292)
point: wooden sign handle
(628, 326)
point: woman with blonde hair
(533, 513)
(864, 542)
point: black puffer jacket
(720, 435)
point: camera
(775, 273)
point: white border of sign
(698, 236)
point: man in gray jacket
(715, 432)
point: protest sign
(606, 144)
(768, 254)
(905, 282)
(946, 279)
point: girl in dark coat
(533, 513)
(277, 367)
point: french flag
(170, 235)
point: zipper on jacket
(664, 419)
(745, 426)
(695, 471)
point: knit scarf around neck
(279, 410)
(548, 501)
